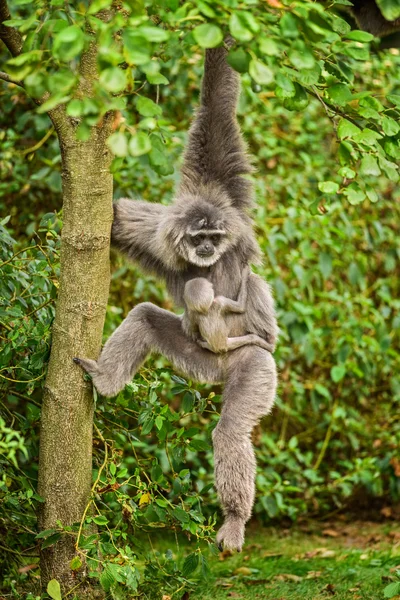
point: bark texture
(65, 463)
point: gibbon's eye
(215, 239)
(197, 240)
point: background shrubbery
(333, 437)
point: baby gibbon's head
(198, 295)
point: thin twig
(6, 77)
(39, 144)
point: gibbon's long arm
(216, 153)
(134, 232)
(239, 305)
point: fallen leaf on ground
(288, 577)
(394, 569)
(320, 552)
(354, 589)
(330, 588)
(313, 574)
(330, 533)
(255, 581)
(234, 595)
(271, 554)
(165, 597)
(242, 571)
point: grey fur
(212, 199)
(212, 321)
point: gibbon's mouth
(205, 253)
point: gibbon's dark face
(204, 242)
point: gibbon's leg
(248, 395)
(146, 329)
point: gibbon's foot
(231, 534)
(100, 381)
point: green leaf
(339, 25)
(369, 165)
(190, 565)
(118, 144)
(100, 520)
(188, 402)
(328, 187)
(360, 36)
(136, 47)
(75, 108)
(367, 136)
(51, 540)
(46, 533)
(239, 28)
(239, 60)
(299, 101)
(389, 8)
(113, 79)
(154, 34)
(337, 373)
(75, 563)
(97, 5)
(140, 144)
(285, 86)
(354, 194)
(339, 93)
(113, 468)
(159, 422)
(147, 107)
(260, 72)
(54, 589)
(346, 129)
(269, 47)
(325, 264)
(391, 590)
(390, 126)
(208, 35)
(156, 79)
(301, 57)
(68, 43)
(181, 515)
(393, 98)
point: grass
(341, 561)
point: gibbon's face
(203, 243)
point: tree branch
(9, 79)
(10, 36)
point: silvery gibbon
(206, 233)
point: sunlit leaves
(68, 44)
(389, 8)
(113, 79)
(208, 35)
(118, 144)
(139, 144)
(260, 72)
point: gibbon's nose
(205, 250)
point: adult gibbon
(207, 232)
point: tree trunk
(65, 462)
